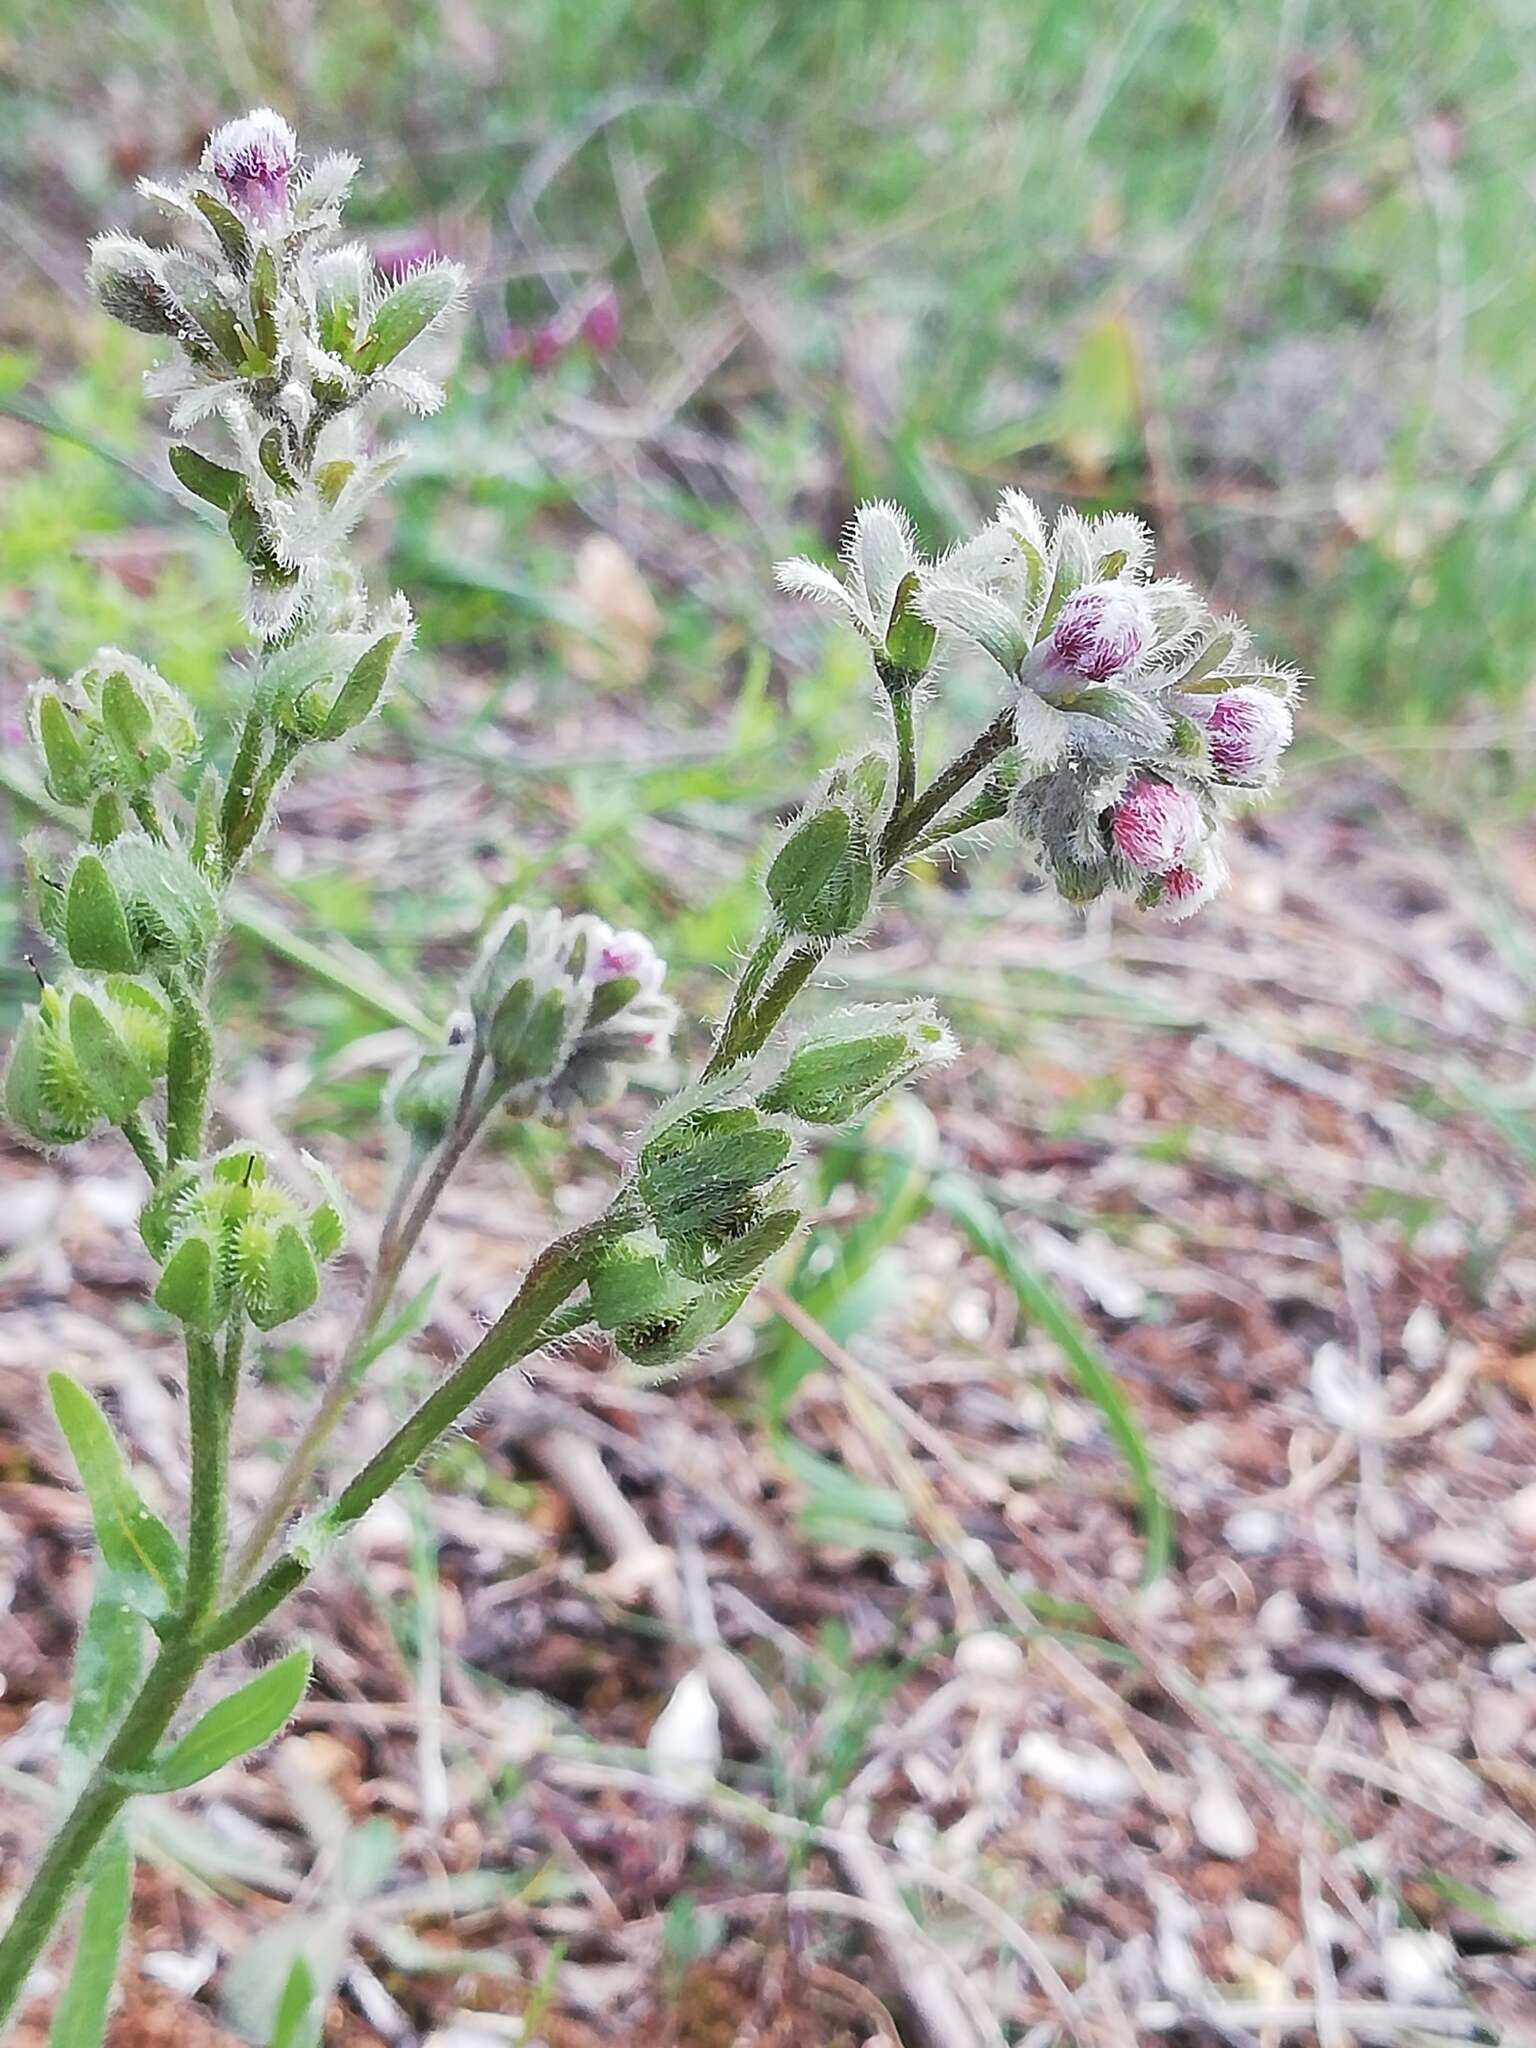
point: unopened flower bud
(425, 1094)
(1100, 629)
(633, 1282)
(253, 159)
(822, 877)
(1181, 891)
(1154, 825)
(837, 1074)
(1246, 732)
(138, 904)
(128, 285)
(700, 1176)
(233, 1241)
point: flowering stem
(550, 1281)
(902, 695)
(145, 1150)
(397, 1241)
(906, 828)
(208, 1418)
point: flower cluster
(1139, 716)
(555, 1010)
(292, 342)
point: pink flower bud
(252, 159)
(1247, 730)
(600, 324)
(1154, 825)
(1100, 629)
(1186, 890)
(628, 953)
(545, 346)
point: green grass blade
(80, 2018)
(967, 1206)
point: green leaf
(291, 2028)
(135, 1543)
(69, 772)
(226, 224)
(237, 1725)
(80, 2017)
(109, 1659)
(210, 481)
(965, 1203)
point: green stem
(242, 781)
(550, 1281)
(738, 1017)
(782, 990)
(241, 833)
(208, 1417)
(65, 1860)
(902, 696)
(905, 829)
(189, 1069)
(992, 803)
(397, 1241)
(145, 1150)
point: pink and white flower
(252, 158)
(1101, 629)
(1154, 825)
(631, 954)
(1246, 732)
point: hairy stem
(906, 829)
(902, 697)
(738, 1018)
(550, 1281)
(145, 1150)
(397, 1240)
(98, 1806)
(208, 1425)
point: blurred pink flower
(252, 159)
(1155, 826)
(1100, 629)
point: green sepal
(740, 1261)
(227, 225)
(163, 1215)
(96, 932)
(909, 639)
(807, 861)
(114, 1075)
(822, 878)
(65, 761)
(45, 1097)
(210, 481)
(361, 691)
(403, 315)
(609, 997)
(632, 1281)
(188, 1286)
(665, 1340)
(290, 1283)
(699, 1176)
(135, 1543)
(537, 1051)
(263, 298)
(128, 724)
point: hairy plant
(1129, 722)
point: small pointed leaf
(233, 1728)
(135, 1543)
